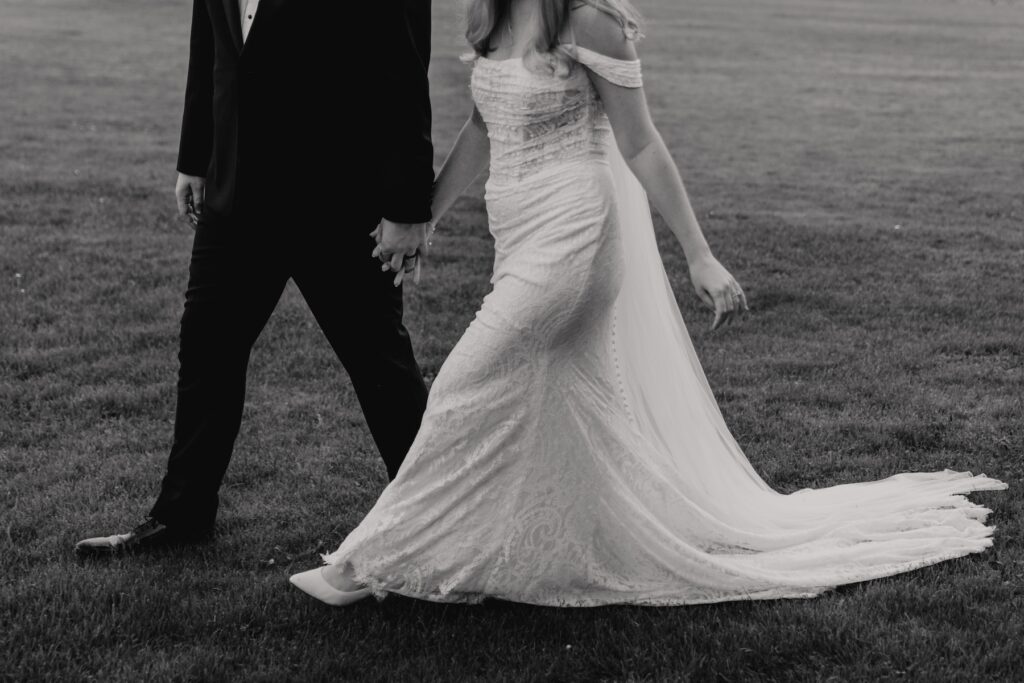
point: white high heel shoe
(313, 583)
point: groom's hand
(400, 246)
(190, 191)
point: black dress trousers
(238, 270)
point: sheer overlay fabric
(572, 452)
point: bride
(572, 452)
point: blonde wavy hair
(485, 19)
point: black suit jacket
(324, 109)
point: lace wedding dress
(572, 452)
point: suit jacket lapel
(264, 14)
(234, 22)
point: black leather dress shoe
(146, 536)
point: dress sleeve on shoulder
(621, 72)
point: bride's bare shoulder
(599, 31)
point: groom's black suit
(307, 134)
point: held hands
(718, 289)
(190, 192)
(401, 247)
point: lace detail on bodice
(536, 120)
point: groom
(306, 125)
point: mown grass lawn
(858, 163)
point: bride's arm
(467, 159)
(648, 157)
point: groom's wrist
(413, 218)
(408, 203)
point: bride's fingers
(735, 305)
(705, 296)
(721, 312)
(396, 262)
(739, 301)
(408, 265)
(726, 305)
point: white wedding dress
(572, 452)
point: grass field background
(858, 164)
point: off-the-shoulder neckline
(500, 61)
(575, 47)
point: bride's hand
(718, 289)
(400, 246)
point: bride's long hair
(485, 19)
